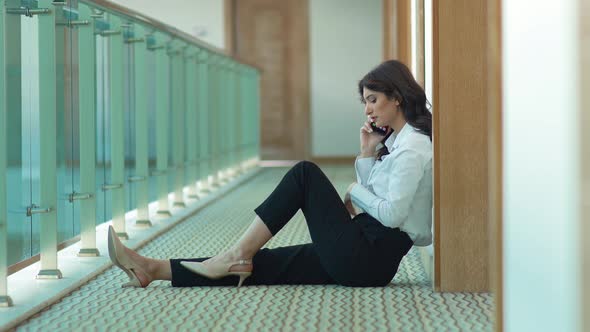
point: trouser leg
(290, 265)
(339, 242)
(306, 187)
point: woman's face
(380, 109)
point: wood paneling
(274, 35)
(389, 30)
(495, 148)
(397, 38)
(419, 56)
(229, 26)
(584, 123)
(403, 19)
(460, 146)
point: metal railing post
(117, 126)
(140, 179)
(87, 123)
(191, 123)
(162, 110)
(204, 115)
(214, 109)
(177, 58)
(48, 145)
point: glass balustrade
(103, 111)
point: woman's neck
(397, 127)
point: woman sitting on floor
(393, 193)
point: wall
(542, 249)
(346, 42)
(200, 18)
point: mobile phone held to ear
(378, 130)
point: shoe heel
(243, 276)
(131, 283)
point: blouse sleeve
(393, 210)
(363, 168)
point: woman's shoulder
(417, 141)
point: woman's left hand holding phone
(369, 140)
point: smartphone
(378, 130)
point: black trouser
(351, 252)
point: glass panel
(23, 135)
(67, 125)
(18, 116)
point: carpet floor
(406, 304)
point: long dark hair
(395, 80)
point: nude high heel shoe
(120, 258)
(218, 271)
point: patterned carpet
(407, 304)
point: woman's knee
(306, 166)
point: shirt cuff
(363, 198)
(363, 168)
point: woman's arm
(362, 167)
(393, 210)
(352, 209)
(366, 159)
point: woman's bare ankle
(239, 254)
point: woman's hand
(369, 140)
(348, 202)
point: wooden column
(461, 254)
(229, 26)
(389, 30)
(419, 56)
(397, 38)
(403, 19)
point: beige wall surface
(346, 41)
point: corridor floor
(407, 304)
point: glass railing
(102, 111)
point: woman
(393, 193)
